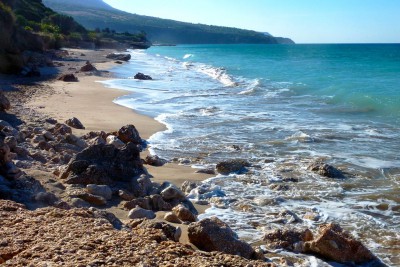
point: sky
(304, 21)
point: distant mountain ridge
(96, 14)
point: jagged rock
(99, 190)
(141, 76)
(96, 141)
(233, 165)
(335, 244)
(188, 186)
(61, 129)
(125, 195)
(138, 213)
(140, 202)
(158, 203)
(154, 160)
(184, 214)
(88, 67)
(113, 140)
(171, 217)
(4, 102)
(48, 135)
(326, 170)
(212, 234)
(37, 139)
(68, 78)
(289, 239)
(74, 123)
(121, 57)
(128, 134)
(103, 164)
(172, 192)
(144, 186)
(44, 145)
(74, 140)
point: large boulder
(335, 244)
(231, 166)
(326, 170)
(212, 234)
(104, 164)
(88, 67)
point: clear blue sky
(305, 21)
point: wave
(219, 74)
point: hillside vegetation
(97, 14)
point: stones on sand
(139, 213)
(172, 217)
(154, 160)
(212, 234)
(141, 76)
(99, 190)
(184, 214)
(74, 123)
(119, 57)
(68, 78)
(129, 133)
(232, 166)
(326, 170)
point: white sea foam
(187, 56)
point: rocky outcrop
(104, 164)
(326, 170)
(74, 123)
(141, 76)
(128, 134)
(121, 57)
(215, 235)
(231, 166)
(86, 237)
(4, 102)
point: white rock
(113, 140)
(99, 190)
(138, 213)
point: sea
(281, 107)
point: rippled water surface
(283, 107)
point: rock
(172, 218)
(154, 160)
(143, 186)
(74, 123)
(11, 141)
(99, 190)
(335, 244)
(96, 141)
(141, 76)
(212, 234)
(144, 203)
(88, 67)
(171, 232)
(326, 170)
(46, 198)
(138, 213)
(74, 140)
(4, 102)
(61, 129)
(93, 199)
(68, 78)
(103, 164)
(171, 193)
(209, 170)
(37, 139)
(157, 203)
(121, 57)
(233, 165)
(113, 140)
(288, 239)
(184, 214)
(188, 186)
(4, 123)
(51, 120)
(21, 151)
(44, 145)
(48, 135)
(125, 195)
(128, 134)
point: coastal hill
(97, 14)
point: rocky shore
(78, 188)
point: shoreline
(92, 103)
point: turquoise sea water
(284, 106)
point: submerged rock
(141, 76)
(326, 170)
(231, 166)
